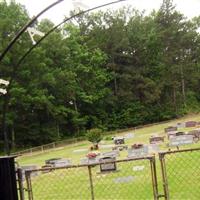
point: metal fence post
(20, 182)
(154, 178)
(164, 175)
(29, 186)
(91, 182)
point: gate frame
(164, 170)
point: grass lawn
(183, 172)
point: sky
(189, 8)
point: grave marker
(190, 124)
(156, 139)
(124, 179)
(140, 152)
(119, 140)
(138, 168)
(107, 167)
(181, 140)
(114, 154)
(170, 129)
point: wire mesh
(131, 180)
(182, 171)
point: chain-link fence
(181, 174)
(120, 180)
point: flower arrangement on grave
(92, 155)
(137, 146)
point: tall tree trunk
(13, 136)
(183, 85)
(58, 130)
(174, 99)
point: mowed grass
(183, 171)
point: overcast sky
(190, 8)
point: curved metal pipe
(12, 42)
(55, 27)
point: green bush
(94, 135)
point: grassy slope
(74, 183)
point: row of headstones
(188, 124)
(177, 138)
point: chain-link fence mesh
(181, 174)
(132, 179)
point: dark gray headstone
(107, 167)
(170, 129)
(119, 140)
(156, 139)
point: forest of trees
(106, 69)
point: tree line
(106, 69)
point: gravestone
(108, 167)
(138, 168)
(119, 140)
(153, 148)
(62, 163)
(181, 140)
(88, 161)
(180, 125)
(58, 162)
(114, 154)
(139, 152)
(196, 134)
(190, 124)
(156, 139)
(170, 129)
(124, 179)
(51, 161)
(175, 133)
(120, 147)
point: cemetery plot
(120, 147)
(181, 140)
(156, 139)
(125, 183)
(180, 125)
(190, 124)
(118, 140)
(107, 167)
(138, 152)
(170, 129)
(196, 134)
(58, 162)
(113, 154)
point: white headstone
(181, 140)
(140, 152)
(138, 168)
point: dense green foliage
(94, 135)
(109, 70)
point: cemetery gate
(171, 175)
